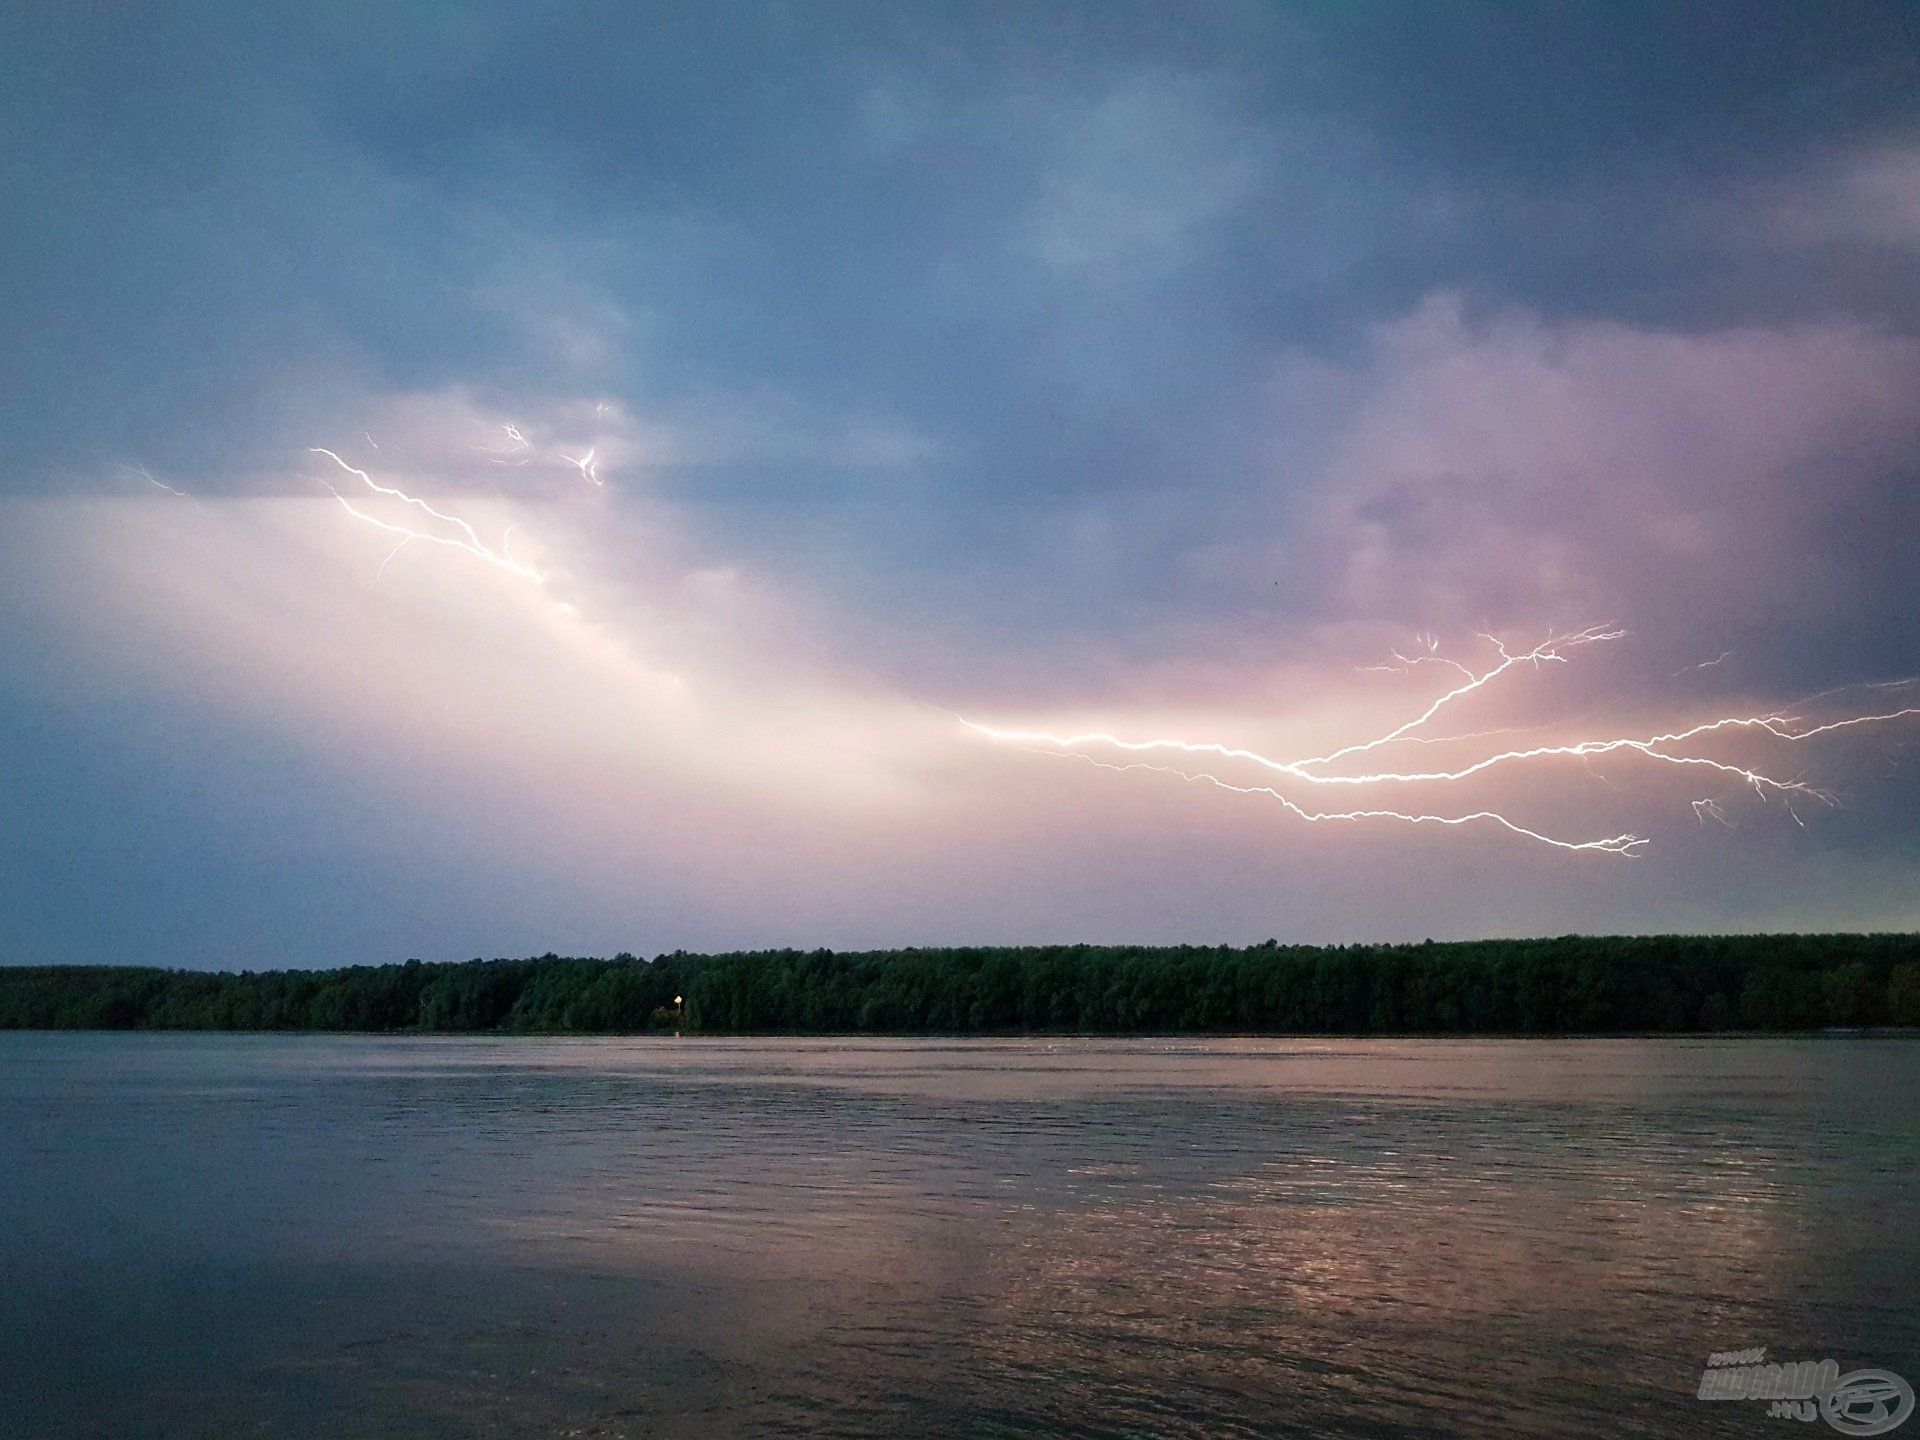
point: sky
(491, 479)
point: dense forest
(1572, 985)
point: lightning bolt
(1548, 652)
(588, 467)
(147, 475)
(519, 450)
(462, 537)
(1612, 845)
(515, 452)
(1661, 749)
(1709, 809)
(1720, 659)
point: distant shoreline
(1616, 986)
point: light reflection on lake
(223, 1235)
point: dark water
(300, 1236)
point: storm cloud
(830, 373)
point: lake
(399, 1236)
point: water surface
(320, 1236)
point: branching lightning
(1612, 845)
(462, 537)
(1698, 747)
(519, 450)
(1675, 748)
(1544, 653)
(1709, 809)
(588, 467)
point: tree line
(1571, 985)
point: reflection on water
(229, 1235)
